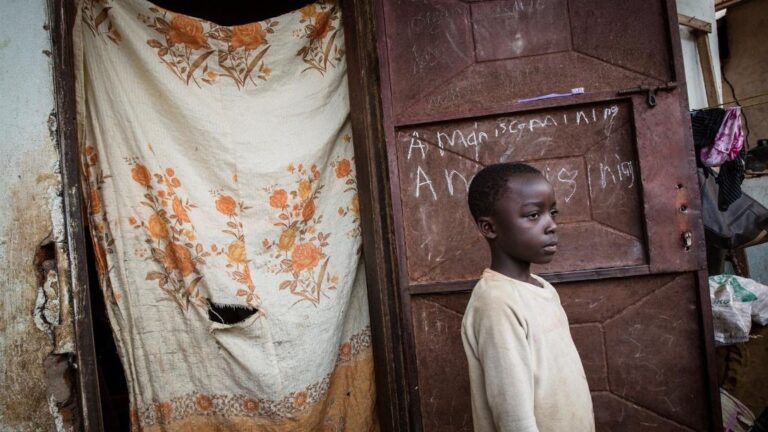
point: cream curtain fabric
(219, 170)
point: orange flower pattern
(103, 242)
(179, 211)
(203, 402)
(299, 250)
(95, 202)
(226, 205)
(278, 199)
(324, 49)
(188, 31)
(343, 170)
(141, 175)
(250, 36)
(200, 51)
(251, 406)
(96, 17)
(241, 405)
(178, 257)
(305, 256)
(164, 411)
(169, 235)
(238, 264)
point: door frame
(373, 186)
(365, 42)
(61, 14)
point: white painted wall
(29, 183)
(703, 10)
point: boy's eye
(533, 216)
(554, 213)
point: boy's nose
(552, 227)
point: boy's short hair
(489, 183)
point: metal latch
(651, 90)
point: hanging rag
(219, 176)
(728, 142)
(704, 125)
(719, 141)
(729, 180)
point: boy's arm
(507, 363)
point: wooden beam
(694, 23)
(707, 71)
(722, 4)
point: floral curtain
(219, 173)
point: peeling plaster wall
(34, 352)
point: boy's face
(523, 226)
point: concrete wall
(34, 351)
(747, 68)
(703, 10)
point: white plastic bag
(736, 416)
(736, 302)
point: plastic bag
(736, 302)
(736, 416)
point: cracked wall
(36, 343)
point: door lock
(650, 90)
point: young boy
(525, 374)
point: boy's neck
(512, 268)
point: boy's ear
(487, 227)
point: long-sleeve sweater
(525, 373)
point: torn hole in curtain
(230, 314)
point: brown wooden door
(454, 76)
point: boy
(525, 373)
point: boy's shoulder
(494, 292)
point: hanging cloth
(728, 142)
(705, 124)
(719, 141)
(219, 175)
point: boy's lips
(550, 247)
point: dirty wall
(747, 70)
(35, 340)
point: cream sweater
(524, 370)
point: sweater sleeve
(505, 356)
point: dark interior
(232, 12)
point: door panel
(639, 340)
(448, 50)
(586, 151)
(456, 82)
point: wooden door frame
(61, 14)
(365, 42)
(376, 220)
